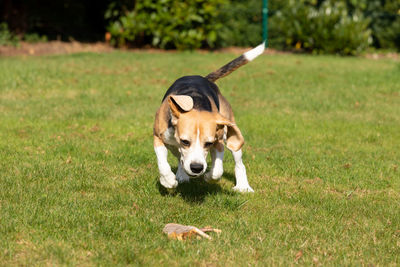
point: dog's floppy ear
(234, 138)
(179, 104)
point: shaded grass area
(78, 174)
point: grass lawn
(79, 179)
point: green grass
(78, 175)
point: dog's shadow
(196, 190)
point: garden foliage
(242, 23)
(326, 28)
(384, 21)
(168, 24)
(7, 37)
(319, 26)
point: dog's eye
(208, 144)
(185, 142)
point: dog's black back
(199, 88)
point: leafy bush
(325, 28)
(318, 26)
(289, 21)
(7, 37)
(167, 24)
(385, 22)
(384, 16)
(34, 38)
(242, 23)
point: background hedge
(318, 26)
(167, 23)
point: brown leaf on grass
(95, 128)
(395, 167)
(298, 255)
(210, 229)
(347, 165)
(182, 232)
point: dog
(195, 119)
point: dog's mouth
(194, 175)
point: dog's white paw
(181, 175)
(169, 180)
(243, 189)
(211, 177)
(214, 175)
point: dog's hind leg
(217, 169)
(242, 185)
(167, 177)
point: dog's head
(197, 132)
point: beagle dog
(194, 119)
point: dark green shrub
(7, 37)
(242, 23)
(384, 16)
(325, 28)
(318, 26)
(34, 38)
(168, 24)
(385, 22)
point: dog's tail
(236, 63)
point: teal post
(265, 21)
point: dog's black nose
(196, 167)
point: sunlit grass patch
(79, 179)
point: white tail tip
(255, 52)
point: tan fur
(195, 124)
(210, 124)
(161, 122)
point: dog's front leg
(181, 175)
(167, 177)
(242, 185)
(217, 169)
